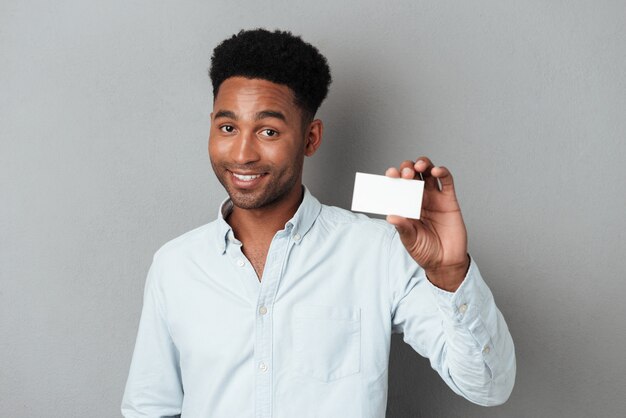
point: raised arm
(439, 298)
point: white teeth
(246, 178)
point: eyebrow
(225, 114)
(270, 114)
(263, 114)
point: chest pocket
(327, 341)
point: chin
(258, 199)
(247, 200)
(246, 203)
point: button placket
(264, 333)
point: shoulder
(332, 218)
(188, 243)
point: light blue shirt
(312, 338)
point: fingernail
(406, 170)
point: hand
(437, 241)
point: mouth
(246, 177)
(246, 181)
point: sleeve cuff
(467, 301)
(470, 307)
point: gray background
(103, 124)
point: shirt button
(262, 310)
(240, 262)
(486, 350)
(262, 367)
(297, 237)
(463, 308)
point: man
(284, 307)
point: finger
(445, 178)
(422, 163)
(424, 166)
(405, 229)
(408, 173)
(392, 172)
(406, 163)
(406, 169)
(418, 175)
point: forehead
(245, 95)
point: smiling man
(258, 141)
(284, 307)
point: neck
(260, 225)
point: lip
(246, 180)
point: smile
(246, 177)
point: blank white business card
(387, 196)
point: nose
(244, 150)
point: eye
(269, 133)
(228, 129)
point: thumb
(406, 229)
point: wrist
(449, 278)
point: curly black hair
(279, 57)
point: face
(258, 142)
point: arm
(154, 388)
(463, 334)
(445, 309)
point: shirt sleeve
(153, 388)
(463, 334)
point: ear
(313, 137)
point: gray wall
(103, 124)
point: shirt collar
(298, 226)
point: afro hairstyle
(279, 57)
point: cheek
(217, 148)
(283, 154)
(211, 149)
